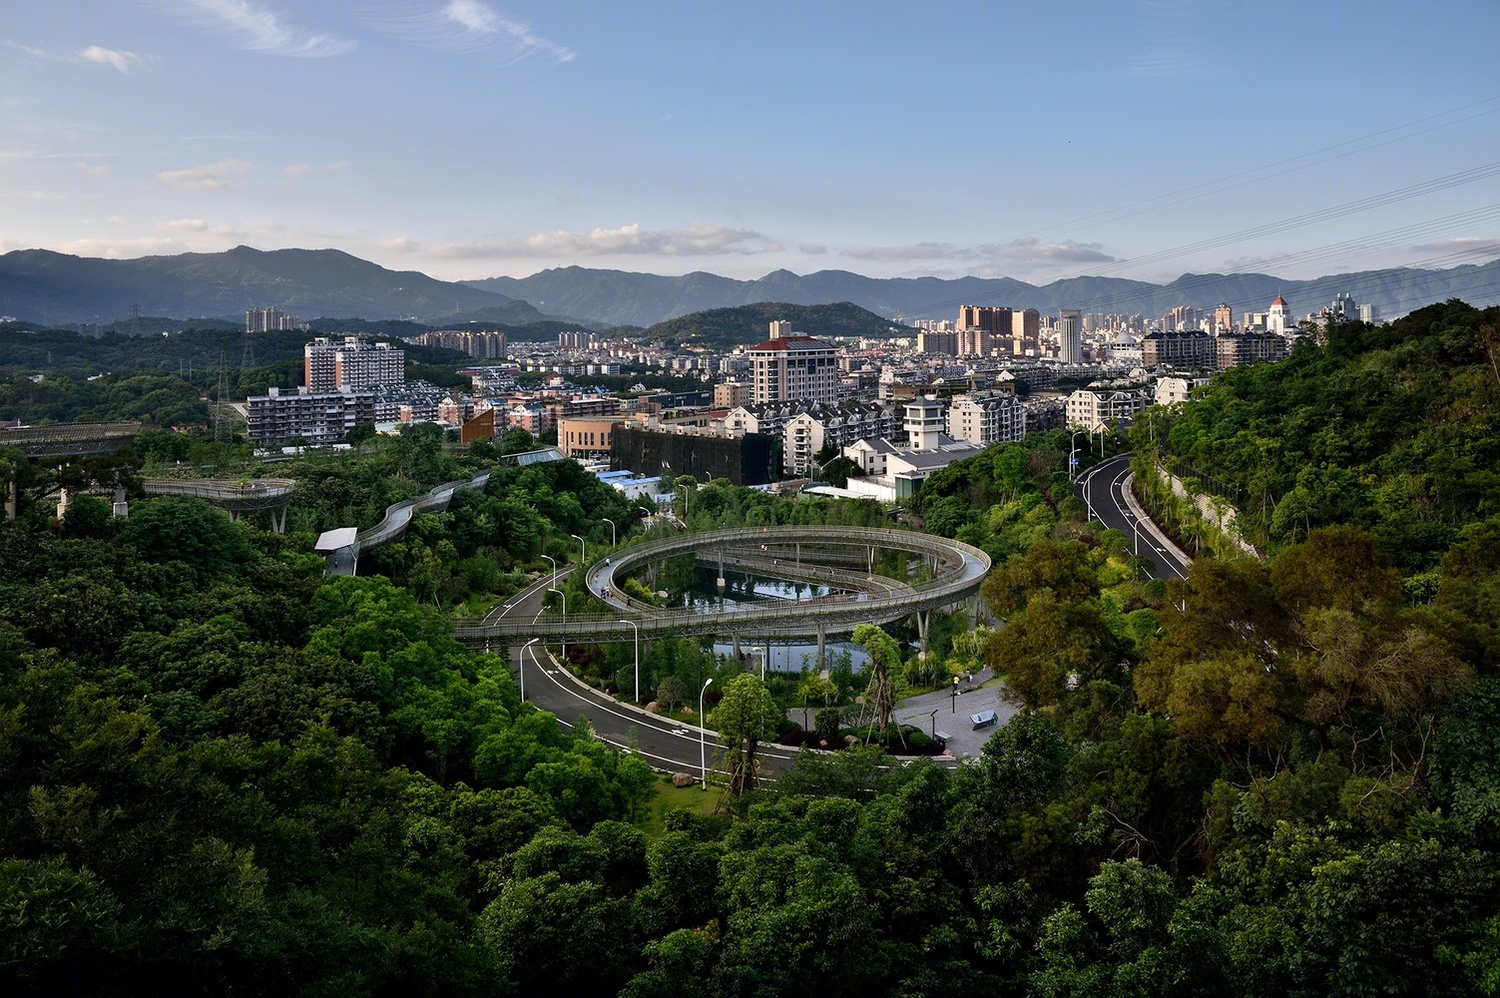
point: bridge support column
(62, 504)
(924, 617)
(799, 554)
(822, 646)
(736, 642)
(121, 508)
(721, 566)
(278, 521)
(10, 494)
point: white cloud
(184, 225)
(697, 239)
(465, 25)
(92, 169)
(260, 29)
(125, 62)
(401, 244)
(479, 19)
(296, 169)
(213, 177)
(813, 249)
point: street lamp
(1073, 456)
(636, 627)
(612, 541)
(703, 732)
(954, 708)
(583, 549)
(554, 568)
(565, 620)
(522, 669)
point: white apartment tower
(1069, 337)
(329, 365)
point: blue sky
(474, 138)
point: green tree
(744, 716)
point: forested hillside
(221, 772)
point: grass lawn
(669, 798)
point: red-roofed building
(789, 368)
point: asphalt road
(1106, 489)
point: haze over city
(471, 138)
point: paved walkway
(952, 713)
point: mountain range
(41, 286)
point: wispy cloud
(401, 244)
(125, 62)
(213, 177)
(628, 240)
(183, 225)
(905, 253)
(303, 169)
(260, 29)
(462, 25)
(1034, 251)
(1462, 246)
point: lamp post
(522, 669)
(565, 620)
(954, 708)
(554, 568)
(637, 629)
(612, 541)
(1073, 456)
(703, 732)
(583, 549)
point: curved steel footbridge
(790, 552)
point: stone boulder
(683, 780)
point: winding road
(960, 568)
(1106, 489)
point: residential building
(986, 419)
(789, 367)
(1172, 390)
(1069, 337)
(483, 344)
(1195, 349)
(1249, 348)
(314, 418)
(1087, 408)
(354, 363)
(821, 427)
(264, 320)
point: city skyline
(469, 139)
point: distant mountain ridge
(45, 287)
(620, 297)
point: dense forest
(221, 771)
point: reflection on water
(742, 587)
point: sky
(468, 139)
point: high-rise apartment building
(981, 328)
(483, 344)
(1025, 328)
(261, 320)
(791, 368)
(1069, 337)
(330, 365)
